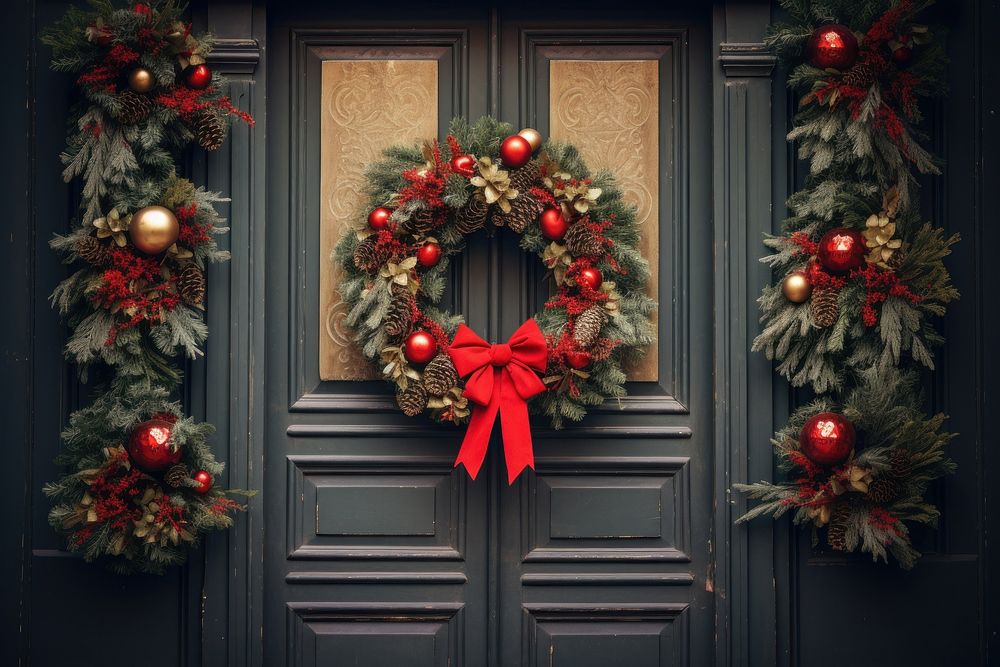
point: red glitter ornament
(832, 46)
(827, 438)
(578, 360)
(149, 446)
(198, 76)
(515, 151)
(429, 254)
(464, 165)
(902, 55)
(553, 224)
(379, 218)
(204, 480)
(841, 250)
(420, 347)
(590, 277)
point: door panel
(375, 548)
(377, 551)
(605, 550)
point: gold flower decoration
(113, 225)
(614, 298)
(400, 274)
(855, 478)
(454, 399)
(397, 368)
(582, 196)
(495, 184)
(880, 229)
(820, 514)
(179, 252)
(557, 257)
(149, 529)
(579, 195)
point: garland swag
(140, 488)
(861, 279)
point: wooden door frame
(742, 204)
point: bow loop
(501, 378)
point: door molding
(226, 605)
(743, 204)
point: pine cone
(582, 241)
(825, 309)
(524, 210)
(421, 222)
(861, 75)
(413, 399)
(399, 316)
(587, 326)
(440, 375)
(900, 463)
(210, 129)
(836, 532)
(472, 216)
(366, 256)
(132, 107)
(526, 177)
(191, 284)
(176, 475)
(90, 249)
(896, 260)
(883, 490)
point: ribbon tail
(472, 453)
(517, 448)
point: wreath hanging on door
(141, 487)
(861, 280)
(423, 201)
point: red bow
(502, 380)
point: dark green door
(377, 552)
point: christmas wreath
(423, 201)
(862, 278)
(140, 490)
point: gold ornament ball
(141, 80)
(533, 136)
(796, 287)
(153, 229)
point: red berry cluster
(133, 286)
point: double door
(377, 552)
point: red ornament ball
(827, 438)
(841, 250)
(464, 165)
(149, 446)
(902, 55)
(198, 76)
(204, 480)
(420, 347)
(379, 218)
(578, 360)
(832, 46)
(429, 254)
(590, 277)
(515, 151)
(553, 224)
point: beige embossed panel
(609, 109)
(367, 106)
